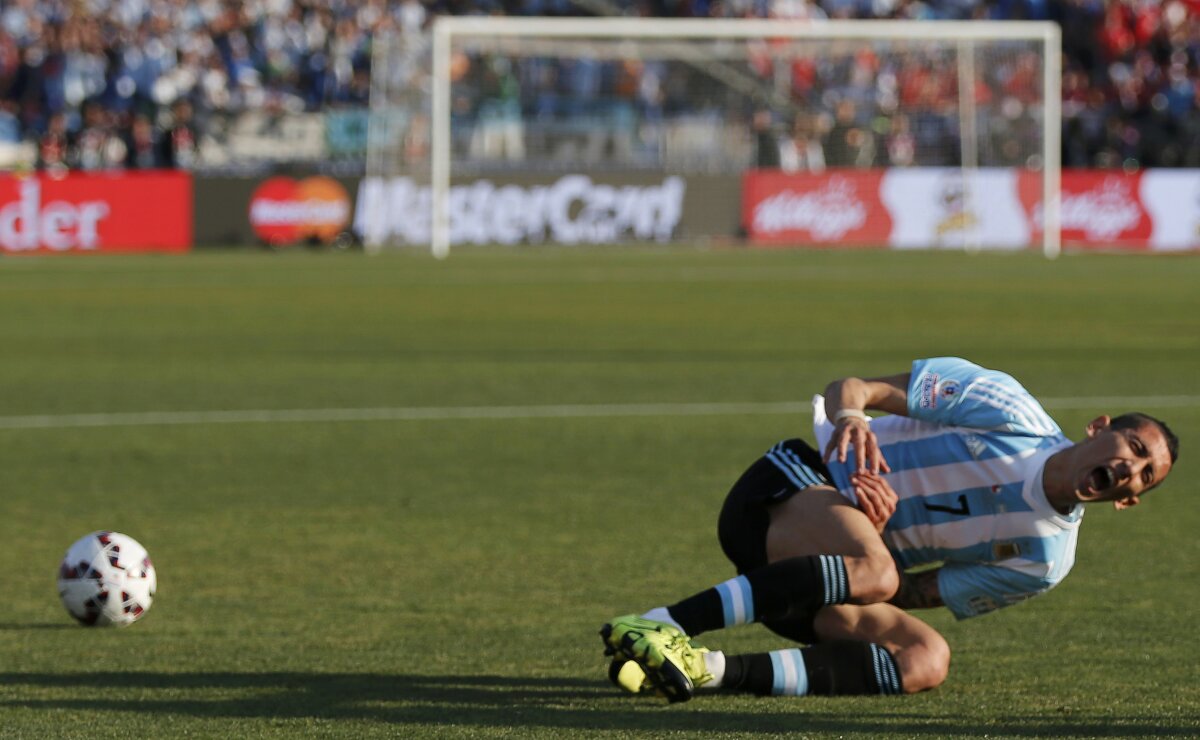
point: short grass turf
(446, 577)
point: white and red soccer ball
(107, 579)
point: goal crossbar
(667, 28)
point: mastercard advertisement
(284, 210)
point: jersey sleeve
(955, 392)
(971, 589)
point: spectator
(97, 146)
(766, 141)
(10, 125)
(179, 146)
(901, 145)
(142, 151)
(53, 146)
(802, 151)
(849, 144)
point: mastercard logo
(286, 211)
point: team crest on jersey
(949, 389)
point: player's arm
(971, 589)
(888, 394)
(846, 403)
(918, 590)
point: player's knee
(926, 665)
(888, 581)
(874, 580)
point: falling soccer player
(967, 496)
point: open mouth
(1102, 478)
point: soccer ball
(106, 579)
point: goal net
(591, 130)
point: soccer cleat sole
(666, 678)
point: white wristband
(843, 414)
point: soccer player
(967, 496)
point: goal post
(998, 100)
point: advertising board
(572, 209)
(96, 212)
(841, 207)
(992, 208)
(284, 210)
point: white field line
(465, 278)
(451, 413)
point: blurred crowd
(135, 83)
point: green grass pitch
(446, 576)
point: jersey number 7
(962, 509)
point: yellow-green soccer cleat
(672, 663)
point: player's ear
(1127, 502)
(1098, 424)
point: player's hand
(856, 433)
(876, 497)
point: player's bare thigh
(921, 654)
(820, 521)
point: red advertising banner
(1100, 209)
(833, 207)
(96, 212)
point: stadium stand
(219, 84)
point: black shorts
(787, 468)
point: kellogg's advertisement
(1097, 208)
(839, 207)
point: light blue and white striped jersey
(967, 467)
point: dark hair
(1135, 419)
